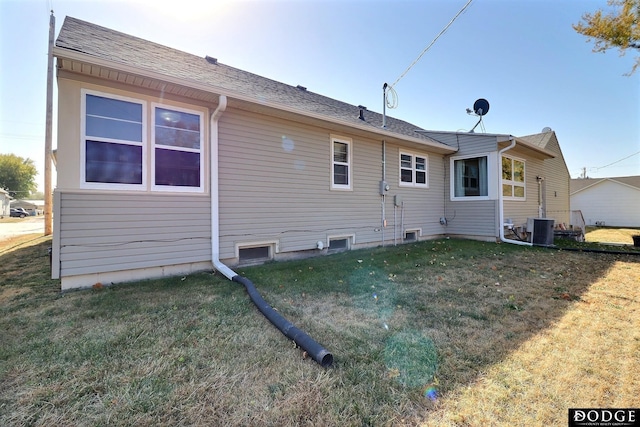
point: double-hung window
(177, 149)
(113, 146)
(413, 170)
(470, 177)
(513, 182)
(340, 163)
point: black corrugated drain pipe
(304, 341)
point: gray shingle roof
(580, 184)
(119, 48)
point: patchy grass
(447, 332)
(611, 235)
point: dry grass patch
(500, 334)
(611, 235)
(590, 357)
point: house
(5, 203)
(34, 207)
(495, 181)
(608, 201)
(168, 163)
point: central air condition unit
(541, 230)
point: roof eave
(62, 53)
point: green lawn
(445, 332)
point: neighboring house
(5, 203)
(168, 162)
(34, 207)
(608, 201)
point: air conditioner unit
(541, 230)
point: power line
(444, 30)
(618, 161)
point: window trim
(414, 170)
(350, 238)
(513, 183)
(273, 245)
(491, 166)
(349, 143)
(84, 138)
(176, 188)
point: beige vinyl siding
(475, 219)
(558, 182)
(270, 191)
(423, 207)
(112, 232)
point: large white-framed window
(513, 178)
(177, 155)
(470, 177)
(341, 169)
(113, 148)
(413, 170)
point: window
(513, 182)
(340, 163)
(113, 147)
(258, 253)
(177, 155)
(470, 177)
(116, 153)
(413, 170)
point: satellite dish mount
(480, 108)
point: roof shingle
(120, 48)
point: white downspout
(501, 199)
(215, 203)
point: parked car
(19, 212)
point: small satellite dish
(481, 107)
(546, 129)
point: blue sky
(522, 56)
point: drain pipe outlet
(215, 211)
(501, 199)
(304, 341)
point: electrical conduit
(304, 341)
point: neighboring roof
(88, 43)
(584, 183)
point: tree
(619, 28)
(17, 175)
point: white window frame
(176, 188)
(414, 170)
(84, 137)
(513, 183)
(349, 164)
(350, 238)
(491, 177)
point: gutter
(302, 340)
(501, 198)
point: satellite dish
(546, 129)
(481, 107)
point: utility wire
(617, 161)
(444, 30)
